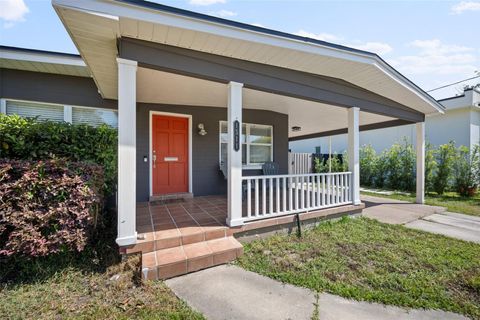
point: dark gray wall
(52, 88)
(207, 178)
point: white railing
(300, 163)
(271, 196)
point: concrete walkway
(422, 217)
(396, 211)
(230, 292)
(454, 225)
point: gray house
(204, 106)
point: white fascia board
(41, 57)
(126, 10)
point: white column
(3, 106)
(67, 114)
(234, 156)
(420, 162)
(353, 152)
(127, 106)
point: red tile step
(174, 237)
(172, 262)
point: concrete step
(175, 261)
(170, 238)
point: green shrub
(399, 166)
(445, 157)
(337, 164)
(467, 170)
(29, 139)
(47, 206)
(381, 170)
(430, 167)
(368, 165)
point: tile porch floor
(187, 216)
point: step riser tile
(193, 238)
(215, 234)
(199, 263)
(168, 243)
(224, 257)
(150, 274)
(172, 270)
(143, 247)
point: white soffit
(313, 117)
(42, 61)
(100, 20)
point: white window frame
(247, 144)
(67, 109)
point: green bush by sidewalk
(446, 168)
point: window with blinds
(35, 110)
(94, 117)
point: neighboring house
(196, 94)
(71, 99)
(460, 123)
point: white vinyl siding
(35, 110)
(94, 117)
(58, 113)
(257, 144)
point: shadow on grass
(99, 254)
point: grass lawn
(450, 200)
(91, 285)
(366, 260)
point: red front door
(170, 154)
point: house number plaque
(236, 135)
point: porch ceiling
(95, 27)
(162, 87)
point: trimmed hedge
(446, 168)
(30, 139)
(48, 206)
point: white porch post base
(127, 108)
(420, 135)
(127, 241)
(234, 168)
(354, 153)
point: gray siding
(51, 88)
(207, 179)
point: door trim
(150, 152)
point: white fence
(300, 163)
(271, 196)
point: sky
(433, 43)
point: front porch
(180, 236)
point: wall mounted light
(201, 129)
(296, 128)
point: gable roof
(173, 26)
(43, 61)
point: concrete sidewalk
(230, 292)
(454, 225)
(423, 217)
(396, 211)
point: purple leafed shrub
(47, 206)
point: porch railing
(271, 196)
